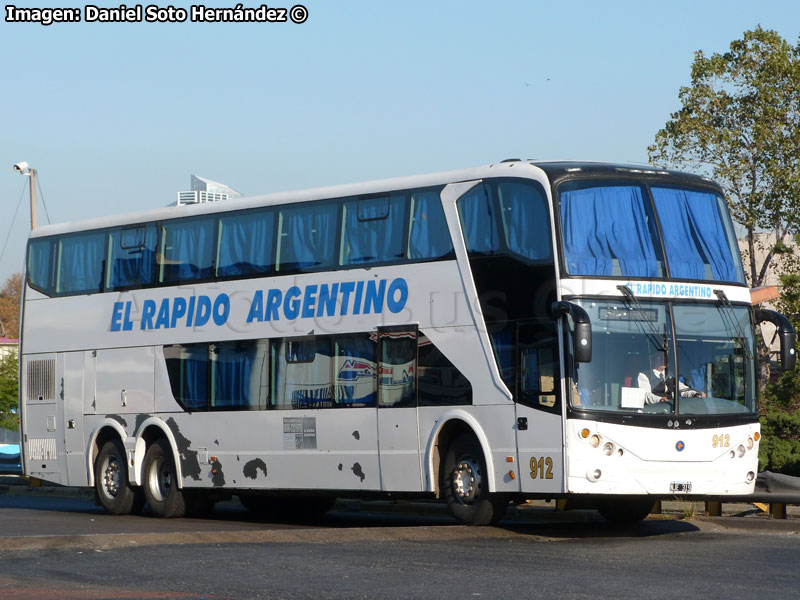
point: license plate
(680, 487)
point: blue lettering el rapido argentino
(313, 300)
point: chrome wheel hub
(112, 478)
(160, 480)
(466, 481)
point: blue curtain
(310, 237)
(429, 237)
(195, 377)
(233, 366)
(39, 263)
(478, 221)
(606, 222)
(133, 253)
(245, 245)
(694, 235)
(374, 230)
(82, 262)
(189, 249)
(526, 220)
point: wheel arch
(451, 425)
(151, 430)
(106, 431)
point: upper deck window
(133, 251)
(609, 230)
(428, 236)
(307, 237)
(373, 230)
(81, 261)
(245, 244)
(187, 249)
(698, 236)
(506, 217)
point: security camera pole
(23, 169)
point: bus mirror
(582, 335)
(785, 333)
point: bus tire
(466, 485)
(626, 509)
(160, 481)
(114, 492)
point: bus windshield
(634, 363)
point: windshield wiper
(659, 342)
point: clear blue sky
(117, 116)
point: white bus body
(380, 343)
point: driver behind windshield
(658, 387)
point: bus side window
(81, 261)
(428, 235)
(307, 237)
(188, 371)
(440, 382)
(372, 230)
(301, 373)
(239, 375)
(40, 264)
(132, 257)
(246, 244)
(187, 249)
(356, 370)
(479, 221)
(397, 368)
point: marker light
(584, 433)
(732, 454)
(620, 452)
(608, 449)
(594, 441)
(511, 474)
(756, 436)
(509, 459)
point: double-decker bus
(518, 330)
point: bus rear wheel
(161, 482)
(466, 485)
(628, 509)
(116, 495)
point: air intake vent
(41, 379)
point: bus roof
(554, 170)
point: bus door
(71, 399)
(398, 435)
(539, 417)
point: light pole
(24, 169)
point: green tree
(739, 123)
(9, 391)
(10, 298)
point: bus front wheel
(116, 495)
(466, 485)
(161, 482)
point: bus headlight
(750, 443)
(608, 449)
(594, 441)
(740, 451)
(593, 475)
